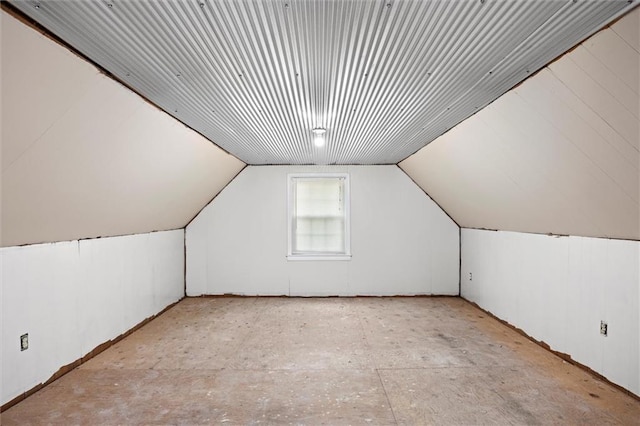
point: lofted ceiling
(384, 77)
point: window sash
(318, 215)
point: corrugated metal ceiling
(384, 78)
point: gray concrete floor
(326, 361)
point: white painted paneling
(622, 312)
(598, 97)
(558, 154)
(27, 80)
(558, 289)
(73, 296)
(39, 297)
(600, 73)
(82, 156)
(629, 30)
(401, 242)
(617, 54)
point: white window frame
(347, 218)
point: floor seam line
(375, 365)
(386, 395)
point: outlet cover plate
(24, 342)
(603, 328)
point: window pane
(318, 215)
(319, 197)
(320, 234)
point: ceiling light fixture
(318, 136)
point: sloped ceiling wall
(82, 156)
(558, 154)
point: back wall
(402, 243)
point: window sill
(314, 257)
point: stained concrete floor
(326, 361)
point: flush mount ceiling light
(318, 136)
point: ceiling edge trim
(99, 237)
(550, 234)
(318, 164)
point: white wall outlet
(470, 276)
(603, 328)
(24, 342)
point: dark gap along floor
(334, 361)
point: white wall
(73, 296)
(558, 289)
(401, 241)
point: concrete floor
(326, 361)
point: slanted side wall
(558, 154)
(83, 157)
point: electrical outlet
(470, 276)
(24, 342)
(603, 328)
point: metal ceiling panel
(384, 77)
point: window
(319, 217)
